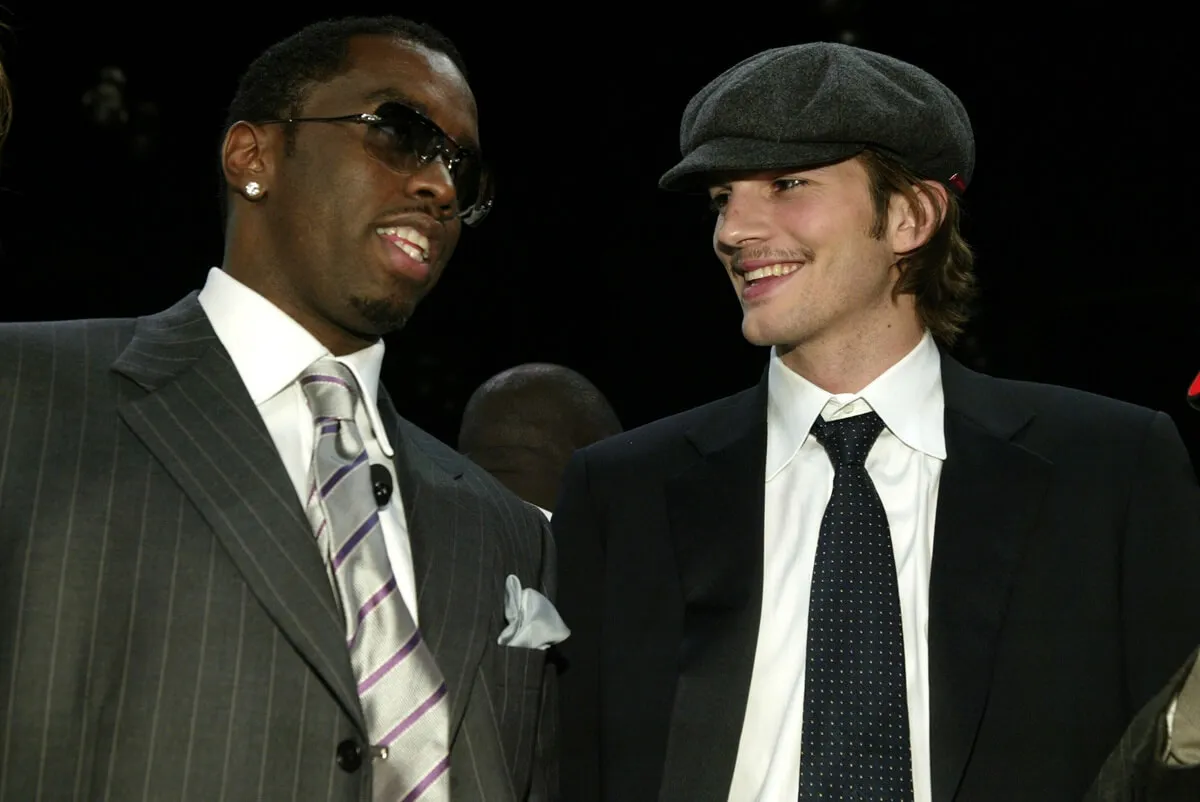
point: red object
(1194, 393)
(957, 182)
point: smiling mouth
(770, 271)
(407, 239)
(779, 270)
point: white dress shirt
(905, 465)
(270, 350)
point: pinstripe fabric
(166, 628)
(509, 693)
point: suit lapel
(716, 520)
(452, 559)
(197, 419)
(989, 495)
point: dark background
(1082, 210)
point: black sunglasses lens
(466, 174)
(410, 141)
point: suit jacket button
(349, 755)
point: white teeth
(412, 242)
(415, 253)
(772, 270)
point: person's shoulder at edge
(1072, 406)
(452, 459)
(663, 437)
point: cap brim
(739, 155)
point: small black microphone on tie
(381, 483)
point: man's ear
(248, 159)
(911, 222)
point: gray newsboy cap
(819, 103)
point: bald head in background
(523, 424)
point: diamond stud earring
(253, 190)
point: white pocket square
(533, 623)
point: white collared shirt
(905, 464)
(270, 350)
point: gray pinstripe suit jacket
(167, 631)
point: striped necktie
(402, 691)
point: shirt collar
(907, 396)
(270, 350)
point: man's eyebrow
(388, 93)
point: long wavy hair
(940, 273)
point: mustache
(743, 255)
(439, 214)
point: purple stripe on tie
(430, 778)
(341, 472)
(329, 428)
(392, 662)
(370, 605)
(323, 379)
(354, 540)
(414, 716)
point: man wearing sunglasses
(228, 568)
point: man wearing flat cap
(877, 575)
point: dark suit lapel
(716, 520)
(452, 559)
(989, 495)
(197, 419)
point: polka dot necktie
(855, 739)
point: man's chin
(380, 316)
(762, 334)
(758, 334)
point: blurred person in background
(523, 424)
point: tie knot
(848, 440)
(330, 390)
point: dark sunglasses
(406, 140)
